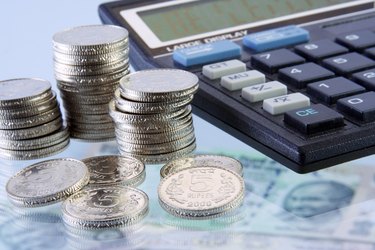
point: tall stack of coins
(201, 187)
(153, 116)
(31, 125)
(89, 62)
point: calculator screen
(197, 17)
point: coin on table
(22, 92)
(115, 169)
(202, 161)
(159, 85)
(47, 182)
(100, 207)
(201, 192)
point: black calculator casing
(248, 122)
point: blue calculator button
(207, 53)
(276, 38)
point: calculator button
(316, 118)
(207, 53)
(217, 70)
(329, 91)
(358, 40)
(370, 53)
(300, 75)
(360, 106)
(263, 91)
(282, 104)
(240, 80)
(272, 61)
(366, 78)
(276, 38)
(348, 63)
(319, 50)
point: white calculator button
(259, 92)
(217, 70)
(243, 79)
(282, 104)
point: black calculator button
(366, 78)
(370, 52)
(321, 49)
(358, 40)
(329, 91)
(313, 119)
(348, 63)
(300, 75)
(361, 107)
(272, 61)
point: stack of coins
(96, 190)
(203, 189)
(31, 125)
(89, 62)
(153, 116)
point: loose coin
(202, 161)
(201, 192)
(101, 207)
(115, 170)
(47, 182)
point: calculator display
(197, 17)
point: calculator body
(249, 122)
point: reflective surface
(330, 209)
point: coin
(201, 192)
(159, 85)
(115, 170)
(91, 59)
(47, 182)
(23, 90)
(202, 161)
(85, 39)
(101, 207)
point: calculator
(294, 79)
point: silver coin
(21, 91)
(34, 153)
(95, 119)
(47, 182)
(157, 138)
(91, 127)
(149, 107)
(31, 121)
(73, 70)
(33, 132)
(86, 99)
(36, 143)
(115, 170)
(85, 39)
(201, 192)
(87, 109)
(97, 59)
(162, 158)
(202, 161)
(159, 85)
(91, 137)
(95, 80)
(100, 207)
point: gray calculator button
(217, 70)
(263, 91)
(282, 104)
(243, 79)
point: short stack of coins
(201, 186)
(152, 113)
(89, 61)
(31, 125)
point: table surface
(328, 209)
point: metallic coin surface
(202, 161)
(100, 207)
(18, 91)
(47, 182)
(158, 85)
(86, 39)
(201, 192)
(115, 169)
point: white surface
(282, 104)
(217, 70)
(260, 92)
(240, 80)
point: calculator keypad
(241, 80)
(348, 63)
(357, 40)
(281, 104)
(361, 107)
(263, 91)
(318, 50)
(217, 70)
